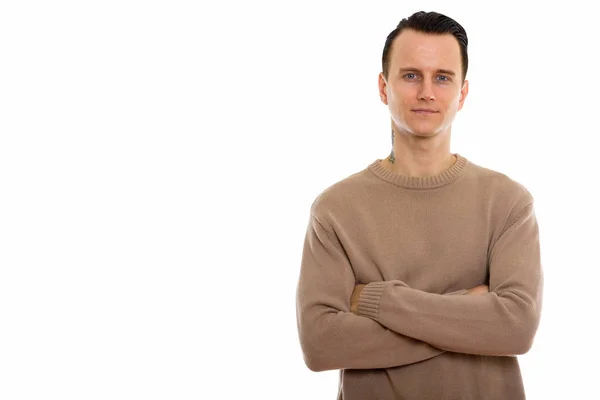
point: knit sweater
(419, 243)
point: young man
(421, 275)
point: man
(421, 274)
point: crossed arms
(387, 324)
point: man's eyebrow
(439, 71)
(446, 71)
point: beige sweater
(418, 244)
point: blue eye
(445, 78)
(410, 75)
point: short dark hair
(428, 22)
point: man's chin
(424, 132)
(421, 130)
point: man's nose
(426, 92)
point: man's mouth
(424, 111)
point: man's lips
(424, 111)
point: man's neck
(419, 157)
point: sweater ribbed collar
(422, 182)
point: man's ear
(463, 94)
(383, 89)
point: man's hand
(479, 290)
(354, 298)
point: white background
(158, 161)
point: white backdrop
(158, 161)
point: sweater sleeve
(331, 336)
(501, 322)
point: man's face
(424, 74)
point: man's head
(424, 67)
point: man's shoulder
(342, 193)
(499, 185)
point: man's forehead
(412, 48)
(424, 44)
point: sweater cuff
(368, 302)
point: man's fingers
(479, 289)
